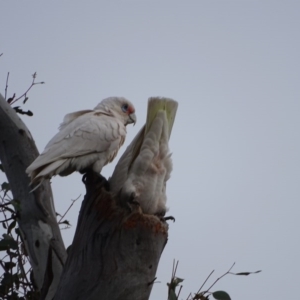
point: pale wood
(36, 218)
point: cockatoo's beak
(132, 119)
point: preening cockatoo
(87, 139)
(144, 168)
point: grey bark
(36, 217)
(115, 252)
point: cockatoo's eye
(125, 107)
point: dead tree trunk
(115, 252)
(36, 217)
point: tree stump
(115, 251)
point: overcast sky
(234, 68)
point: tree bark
(36, 217)
(115, 252)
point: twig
(66, 227)
(21, 266)
(2, 265)
(7, 208)
(179, 291)
(73, 201)
(5, 217)
(32, 84)
(221, 277)
(3, 221)
(188, 297)
(205, 281)
(174, 270)
(6, 86)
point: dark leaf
(2, 291)
(5, 186)
(246, 273)
(7, 280)
(200, 296)
(8, 243)
(11, 226)
(178, 280)
(22, 112)
(12, 254)
(1, 168)
(4, 225)
(65, 222)
(9, 100)
(9, 265)
(221, 295)
(25, 100)
(16, 281)
(16, 204)
(174, 283)
(13, 296)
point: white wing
(92, 138)
(72, 116)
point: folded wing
(87, 138)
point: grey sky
(233, 66)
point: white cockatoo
(87, 139)
(143, 170)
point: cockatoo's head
(119, 107)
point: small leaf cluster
(13, 99)
(15, 279)
(200, 295)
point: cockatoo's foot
(167, 218)
(93, 177)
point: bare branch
(32, 84)
(221, 277)
(205, 281)
(73, 201)
(6, 86)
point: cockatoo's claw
(168, 218)
(91, 176)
